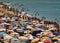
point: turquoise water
(48, 8)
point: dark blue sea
(47, 8)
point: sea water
(47, 8)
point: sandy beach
(21, 27)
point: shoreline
(14, 11)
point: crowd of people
(21, 28)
